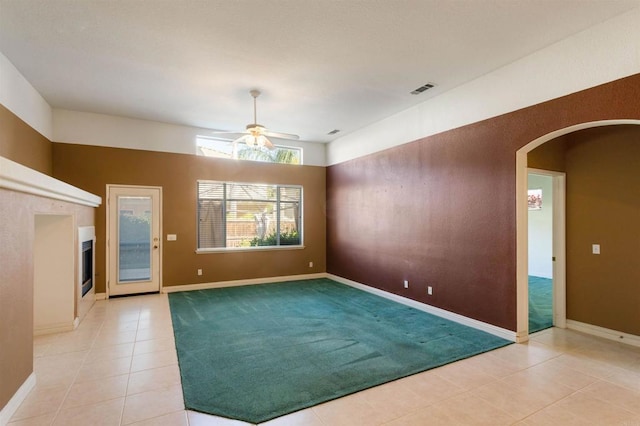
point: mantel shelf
(16, 177)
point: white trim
(16, 177)
(236, 283)
(247, 249)
(470, 322)
(522, 219)
(101, 296)
(55, 328)
(21, 394)
(594, 330)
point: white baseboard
(101, 296)
(489, 328)
(236, 283)
(39, 330)
(12, 406)
(594, 330)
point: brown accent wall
(440, 211)
(603, 207)
(17, 231)
(19, 142)
(92, 168)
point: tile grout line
(126, 390)
(75, 377)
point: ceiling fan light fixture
(255, 134)
(261, 141)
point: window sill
(247, 249)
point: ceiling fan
(256, 135)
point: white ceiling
(321, 64)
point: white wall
(603, 53)
(541, 229)
(120, 132)
(19, 97)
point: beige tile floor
(119, 367)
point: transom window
(234, 215)
(222, 148)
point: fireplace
(87, 266)
(86, 294)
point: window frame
(206, 250)
(298, 149)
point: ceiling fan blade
(220, 132)
(281, 135)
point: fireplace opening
(87, 266)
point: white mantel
(16, 177)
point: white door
(133, 239)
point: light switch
(595, 248)
(172, 237)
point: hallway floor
(119, 367)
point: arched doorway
(522, 332)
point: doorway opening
(522, 235)
(546, 224)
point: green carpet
(258, 352)
(540, 303)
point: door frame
(109, 187)
(559, 295)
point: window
(243, 215)
(222, 148)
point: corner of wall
(21, 98)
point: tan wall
(603, 207)
(549, 156)
(92, 168)
(19, 142)
(17, 227)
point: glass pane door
(134, 239)
(134, 250)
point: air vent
(333, 132)
(422, 88)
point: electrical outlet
(430, 290)
(406, 283)
(595, 248)
(199, 271)
(310, 264)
